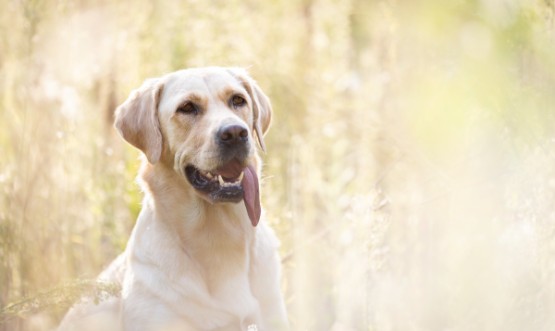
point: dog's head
(204, 123)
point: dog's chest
(228, 295)
(210, 292)
(202, 274)
(235, 296)
(223, 268)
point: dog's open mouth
(232, 182)
(219, 188)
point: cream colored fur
(190, 264)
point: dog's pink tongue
(251, 194)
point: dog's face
(205, 124)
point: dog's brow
(193, 97)
(229, 91)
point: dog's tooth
(221, 180)
(240, 177)
(209, 175)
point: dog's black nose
(231, 135)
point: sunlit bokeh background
(410, 172)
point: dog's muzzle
(234, 180)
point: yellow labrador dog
(200, 257)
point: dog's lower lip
(214, 186)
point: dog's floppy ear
(262, 109)
(262, 113)
(137, 119)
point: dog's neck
(217, 237)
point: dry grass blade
(59, 298)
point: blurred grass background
(410, 171)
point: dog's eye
(238, 101)
(188, 108)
